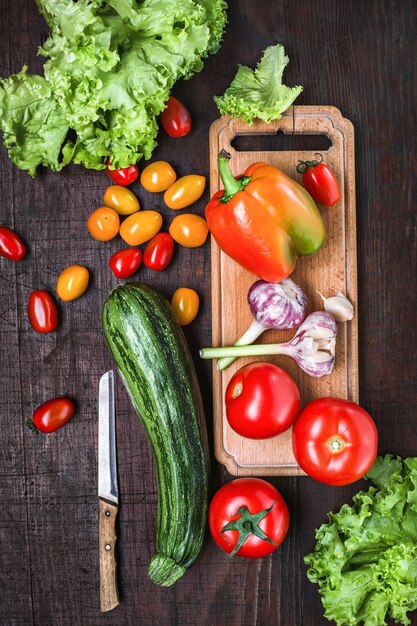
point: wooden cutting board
(331, 270)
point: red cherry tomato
(335, 441)
(158, 253)
(124, 263)
(124, 175)
(175, 118)
(42, 312)
(246, 506)
(53, 414)
(319, 181)
(262, 400)
(11, 246)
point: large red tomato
(335, 441)
(248, 517)
(262, 400)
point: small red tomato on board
(248, 517)
(320, 181)
(175, 118)
(124, 175)
(11, 246)
(159, 251)
(335, 441)
(53, 414)
(42, 312)
(124, 263)
(262, 401)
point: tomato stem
(303, 166)
(336, 444)
(32, 426)
(247, 525)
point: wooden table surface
(357, 55)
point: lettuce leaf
(259, 93)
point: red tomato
(11, 246)
(158, 253)
(124, 175)
(42, 312)
(262, 400)
(319, 181)
(248, 517)
(335, 441)
(124, 263)
(53, 414)
(175, 118)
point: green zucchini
(153, 360)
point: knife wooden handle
(109, 596)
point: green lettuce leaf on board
(365, 558)
(259, 93)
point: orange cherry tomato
(189, 230)
(185, 191)
(185, 303)
(122, 200)
(103, 224)
(140, 227)
(72, 282)
(157, 176)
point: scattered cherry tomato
(320, 181)
(175, 118)
(159, 251)
(185, 303)
(53, 414)
(157, 176)
(189, 230)
(335, 441)
(72, 282)
(248, 517)
(140, 227)
(103, 224)
(121, 200)
(185, 191)
(262, 400)
(42, 312)
(11, 246)
(124, 263)
(124, 175)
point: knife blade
(108, 493)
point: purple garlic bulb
(277, 306)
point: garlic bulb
(339, 306)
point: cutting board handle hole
(281, 141)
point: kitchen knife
(108, 493)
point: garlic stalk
(277, 306)
(312, 347)
(339, 306)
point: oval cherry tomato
(124, 175)
(157, 176)
(185, 303)
(53, 414)
(42, 312)
(11, 246)
(72, 282)
(320, 181)
(335, 441)
(185, 191)
(189, 230)
(159, 251)
(121, 200)
(140, 227)
(262, 400)
(243, 506)
(103, 224)
(124, 263)
(175, 118)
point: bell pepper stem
(231, 185)
(236, 351)
(249, 336)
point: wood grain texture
(332, 270)
(109, 595)
(359, 56)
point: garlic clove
(339, 306)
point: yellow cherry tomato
(72, 282)
(157, 176)
(103, 224)
(185, 303)
(189, 230)
(121, 200)
(185, 191)
(140, 227)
